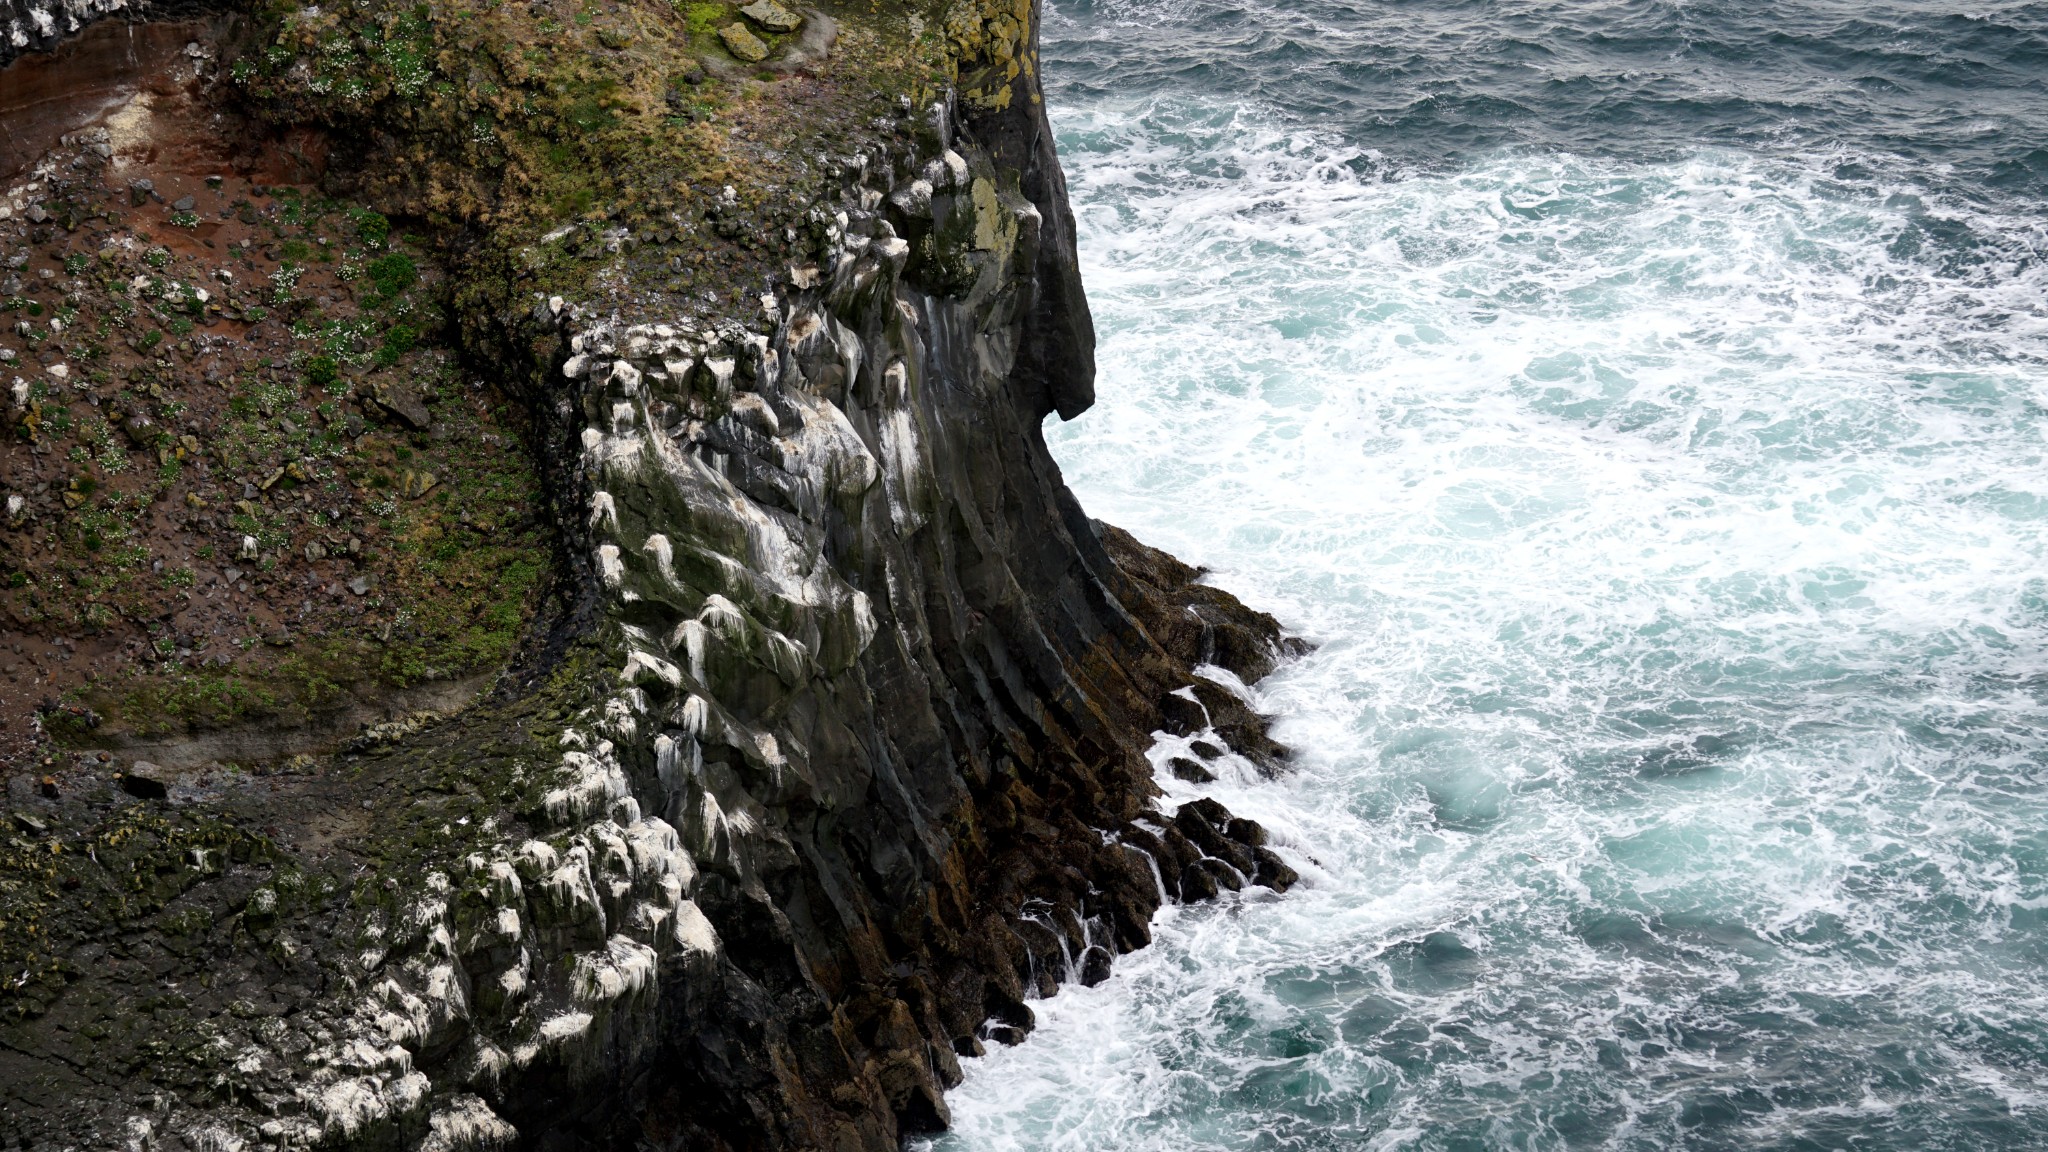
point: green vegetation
(500, 115)
(392, 275)
(704, 20)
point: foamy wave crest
(1673, 762)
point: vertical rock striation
(884, 691)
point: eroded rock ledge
(848, 764)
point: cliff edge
(825, 750)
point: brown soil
(240, 480)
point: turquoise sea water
(1643, 407)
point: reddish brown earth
(240, 479)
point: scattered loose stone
(743, 43)
(772, 16)
(139, 430)
(401, 402)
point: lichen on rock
(742, 43)
(772, 16)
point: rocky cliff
(830, 756)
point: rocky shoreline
(828, 758)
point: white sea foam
(1671, 769)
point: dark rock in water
(1204, 704)
(1228, 877)
(1008, 1023)
(1245, 832)
(1193, 771)
(1197, 883)
(1094, 966)
(1182, 712)
(1204, 822)
(1273, 872)
(1207, 625)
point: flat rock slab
(402, 403)
(743, 43)
(146, 781)
(772, 16)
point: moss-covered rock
(742, 43)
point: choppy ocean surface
(1642, 406)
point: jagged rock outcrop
(858, 764)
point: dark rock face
(902, 684)
(889, 684)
